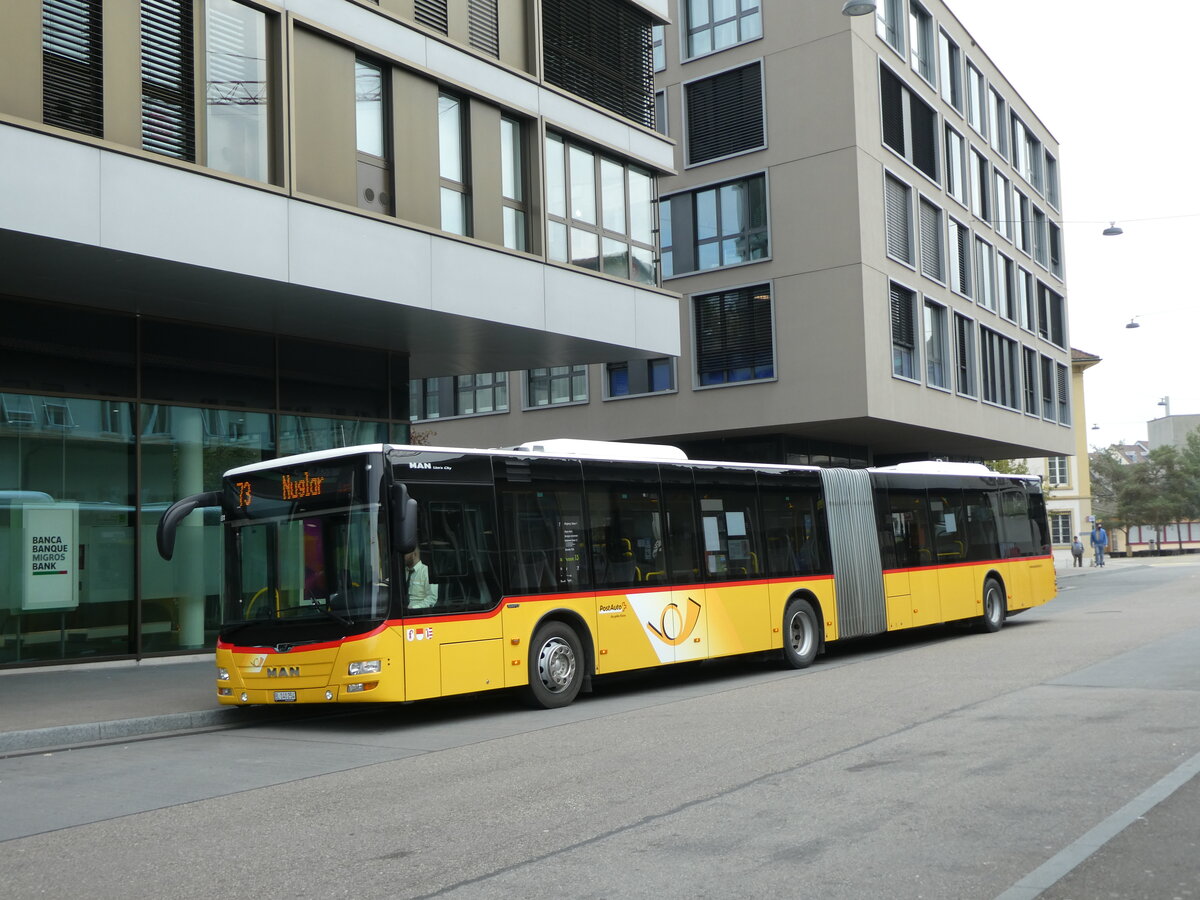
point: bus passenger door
(452, 642)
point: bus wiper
(316, 604)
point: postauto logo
(668, 624)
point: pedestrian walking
(1099, 543)
(1077, 552)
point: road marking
(1057, 866)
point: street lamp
(1113, 228)
(1166, 403)
(858, 7)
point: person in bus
(1099, 543)
(421, 594)
(1077, 552)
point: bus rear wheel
(995, 606)
(555, 667)
(801, 634)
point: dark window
(904, 337)
(721, 225)
(602, 51)
(733, 547)
(724, 114)
(1018, 537)
(683, 543)
(793, 521)
(626, 525)
(333, 380)
(1031, 380)
(983, 543)
(542, 515)
(640, 376)
(483, 26)
(72, 65)
(909, 124)
(193, 364)
(456, 542)
(431, 14)
(61, 349)
(168, 101)
(949, 524)
(905, 538)
(734, 340)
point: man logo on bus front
(673, 628)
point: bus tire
(801, 634)
(555, 667)
(995, 606)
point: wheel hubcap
(556, 665)
(992, 605)
(801, 634)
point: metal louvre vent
(431, 14)
(602, 51)
(903, 329)
(725, 114)
(898, 210)
(72, 66)
(483, 26)
(168, 102)
(857, 566)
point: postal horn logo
(675, 627)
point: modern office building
(866, 230)
(233, 229)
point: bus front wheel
(994, 606)
(801, 634)
(555, 667)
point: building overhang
(90, 226)
(888, 438)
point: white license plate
(285, 696)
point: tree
(1007, 466)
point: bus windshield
(308, 547)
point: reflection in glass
(236, 89)
(616, 258)
(450, 137)
(612, 194)
(641, 206)
(583, 185)
(556, 188)
(584, 249)
(368, 107)
(66, 529)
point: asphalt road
(1057, 755)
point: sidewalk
(90, 703)
(60, 706)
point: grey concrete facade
(827, 161)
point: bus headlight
(222, 674)
(366, 667)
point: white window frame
(932, 307)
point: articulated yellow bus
(397, 573)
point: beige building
(865, 228)
(236, 229)
(1067, 477)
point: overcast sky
(1115, 83)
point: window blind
(72, 65)
(725, 114)
(168, 102)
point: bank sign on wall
(51, 557)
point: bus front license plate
(285, 696)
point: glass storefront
(84, 479)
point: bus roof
(610, 451)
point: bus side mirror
(176, 513)
(404, 520)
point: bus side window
(625, 524)
(910, 527)
(456, 541)
(683, 556)
(542, 510)
(795, 540)
(728, 509)
(982, 543)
